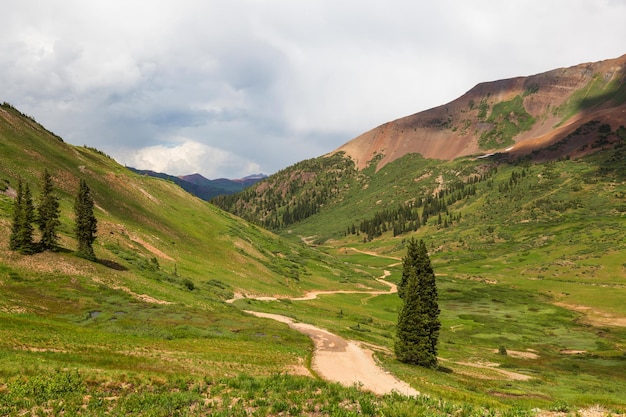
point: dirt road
(338, 360)
(312, 295)
(346, 362)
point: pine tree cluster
(418, 322)
(291, 195)
(47, 217)
(408, 217)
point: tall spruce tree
(48, 214)
(418, 322)
(86, 223)
(409, 261)
(21, 238)
(429, 297)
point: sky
(229, 88)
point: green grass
(477, 319)
(74, 393)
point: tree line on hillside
(410, 216)
(46, 215)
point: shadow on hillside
(601, 128)
(444, 370)
(112, 265)
(615, 92)
(60, 249)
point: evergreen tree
(21, 238)
(427, 289)
(412, 342)
(86, 223)
(409, 261)
(48, 214)
(418, 321)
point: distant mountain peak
(196, 178)
(199, 178)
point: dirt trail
(346, 362)
(371, 253)
(312, 295)
(349, 362)
(340, 360)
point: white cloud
(188, 157)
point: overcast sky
(233, 87)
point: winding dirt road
(312, 295)
(347, 362)
(337, 359)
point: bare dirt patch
(595, 317)
(10, 192)
(371, 253)
(49, 263)
(519, 354)
(249, 250)
(141, 297)
(13, 309)
(595, 411)
(147, 194)
(571, 352)
(515, 376)
(155, 251)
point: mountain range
(202, 187)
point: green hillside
(146, 220)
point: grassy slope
(142, 218)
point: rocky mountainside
(516, 115)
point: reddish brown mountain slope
(555, 104)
